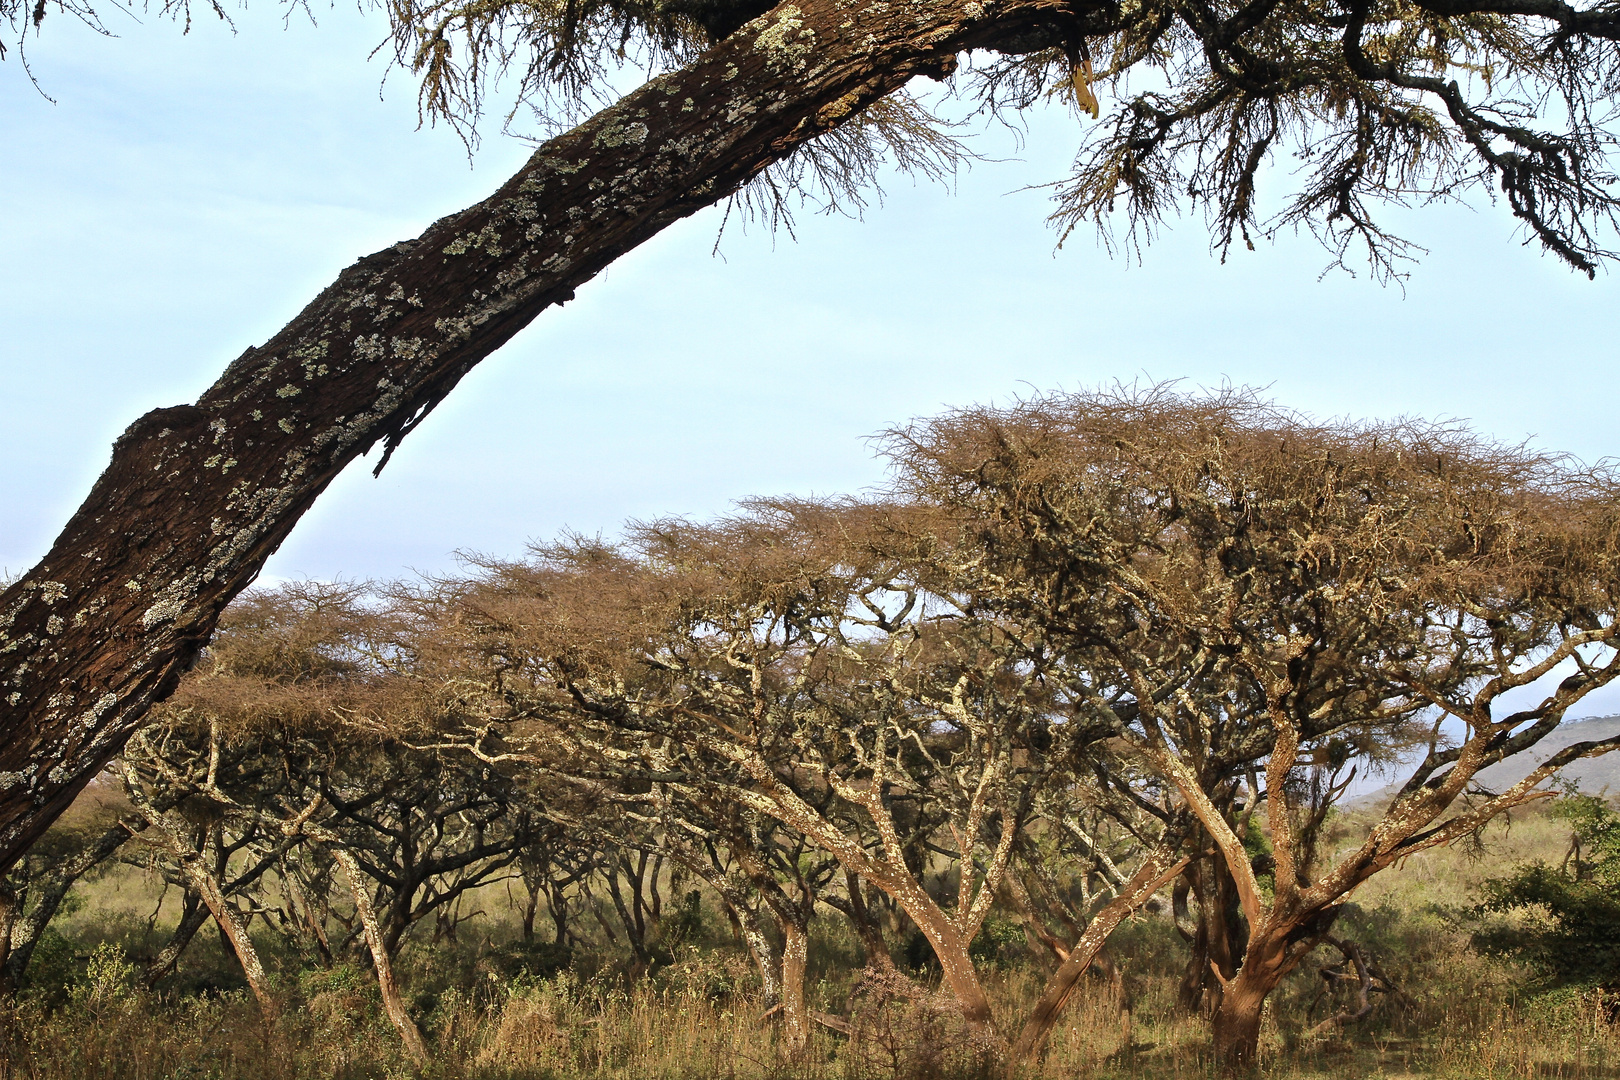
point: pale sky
(186, 195)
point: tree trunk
(1156, 870)
(1220, 937)
(860, 914)
(198, 496)
(193, 913)
(202, 866)
(10, 909)
(235, 932)
(1237, 1022)
(633, 927)
(956, 965)
(765, 958)
(47, 890)
(557, 904)
(1190, 992)
(795, 961)
(381, 961)
(949, 943)
(1274, 949)
(530, 908)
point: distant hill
(1594, 775)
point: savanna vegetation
(1038, 762)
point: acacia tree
(1278, 597)
(632, 820)
(768, 694)
(1380, 97)
(203, 833)
(34, 892)
(279, 758)
(781, 661)
(205, 779)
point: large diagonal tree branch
(198, 496)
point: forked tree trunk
(956, 965)
(557, 904)
(1237, 1022)
(198, 496)
(201, 879)
(1275, 948)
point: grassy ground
(562, 1028)
(1467, 1016)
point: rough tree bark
(198, 496)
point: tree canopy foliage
(1263, 116)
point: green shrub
(1564, 922)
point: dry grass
(689, 1027)
(700, 1017)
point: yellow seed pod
(1082, 90)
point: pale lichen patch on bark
(615, 135)
(370, 348)
(166, 609)
(786, 43)
(485, 239)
